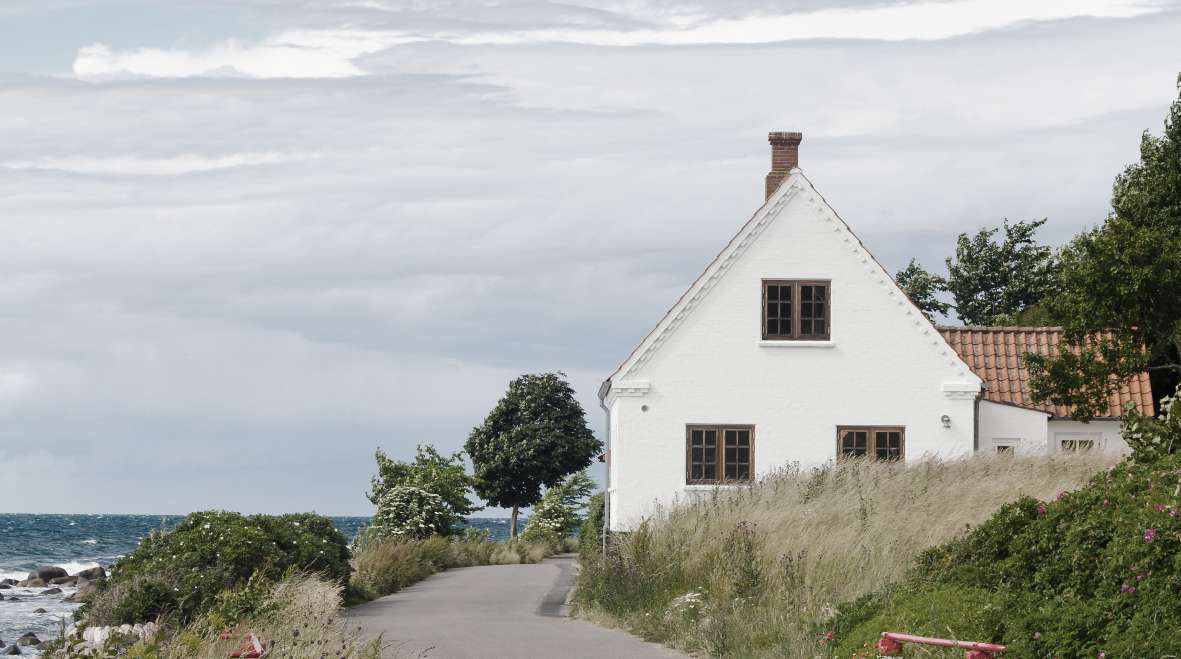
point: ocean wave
(91, 541)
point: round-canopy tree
(534, 437)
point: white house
(796, 346)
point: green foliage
(590, 534)
(405, 512)
(1095, 571)
(1122, 278)
(923, 289)
(1151, 439)
(558, 514)
(438, 474)
(387, 567)
(534, 437)
(181, 572)
(994, 281)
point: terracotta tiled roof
(994, 354)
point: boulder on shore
(8, 582)
(40, 611)
(28, 639)
(93, 573)
(47, 572)
(32, 583)
(63, 581)
(4, 586)
(12, 649)
(52, 591)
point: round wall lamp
(945, 420)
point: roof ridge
(1001, 328)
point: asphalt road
(509, 611)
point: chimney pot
(785, 156)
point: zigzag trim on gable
(750, 231)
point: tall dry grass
(301, 618)
(757, 571)
(382, 568)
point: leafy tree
(995, 281)
(922, 288)
(558, 514)
(1120, 298)
(433, 472)
(534, 437)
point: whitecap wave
(72, 567)
(91, 541)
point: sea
(78, 542)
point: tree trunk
(513, 529)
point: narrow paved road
(509, 611)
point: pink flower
(1172, 512)
(1159, 507)
(1102, 655)
(1061, 496)
(1041, 509)
(1127, 589)
(1149, 535)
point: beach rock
(40, 611)
(28, 639)
(63, 581)
(47, 572)
(93, 573)
(12, 649)
(4, 586)
(9, 582)
(32, 583)
(52, 591)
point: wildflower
(1041, 509)
(826, 636)
(1149, 535)
(1061, 496)
(1037, 636)
(1130, 590)
(1159, 507)
(1102, 655)
(1172, 512)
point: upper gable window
(796, 310)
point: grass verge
(763, 571)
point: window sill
(797, 344)
(703, 487)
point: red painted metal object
(972, 650)
(251, 648)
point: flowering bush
(182, 571)
(405, 512)
(1095, 571)
(557, 516)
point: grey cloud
(467, 214)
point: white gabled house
(795, 346)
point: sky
(243, 244)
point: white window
(1078, 441)
(1006, 445)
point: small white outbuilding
(796, 346)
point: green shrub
(590, 534)
(181, 572)
(557, 515)
(1095, 570)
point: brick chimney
(785, 155)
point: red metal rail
(890, 645)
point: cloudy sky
(244, 243)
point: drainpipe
(976, 424)
(607, 489)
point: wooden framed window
(717, 455)
(796, 310)
(1078, 444)
(874, 442)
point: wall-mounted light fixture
(945, 420)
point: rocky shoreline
(47, 581)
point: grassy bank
(762, 571)
(382, 568)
